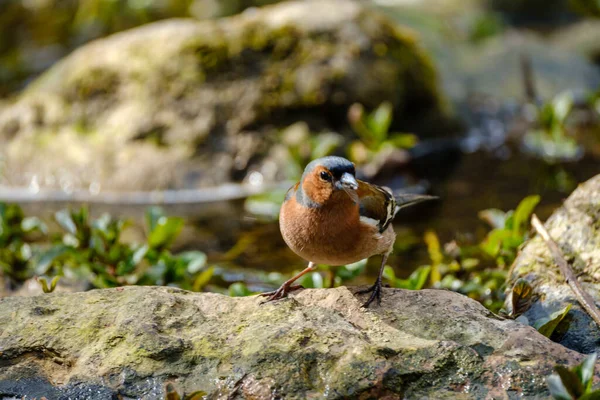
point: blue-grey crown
(336, 165)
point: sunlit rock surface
(575, 227)
(131, 341)
(185, 103)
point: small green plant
(485, 26)
(92, 250)
(547, 326)
(550, 140)
(416, 280)
(16, 236)
(373, 130)
(51, 287)
(510, 230)
(478, 271)
(574, 383)
(239, 289)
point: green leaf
(203, 278)
(595, 395)
(585, 371)
(195, 260)
(494, 217)
(165, 231)
(403, 140)
(433, 248)
(324, 144)
(570, 381)
(239, 289)
(379, 121)
(314, 280)
(351, 271)
(418, 278)
(546, 326)
(415, 281)
(54, 283)
(561, 106)
(157, 272)
(523, 212)
(469, 263)
(557, 389)
(47, 258)
(65, 220)
(153, 214)
(139, 254)
(31, 224)
(493, 242)
(389, 274)
(44, 283)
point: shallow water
(243, 244)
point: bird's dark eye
(325, 176)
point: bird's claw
(375, 291)
(280, 293)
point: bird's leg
(287, 285)
(375, 290)
(332, 271)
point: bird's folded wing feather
(377, 205)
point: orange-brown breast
(333, 233)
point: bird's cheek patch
(316, 190)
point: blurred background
(211, 109)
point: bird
(330, 217)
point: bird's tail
(404, 200)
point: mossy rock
(183, 103)
(45, 31)
(576, 229)
(130, 342)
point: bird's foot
(375, 291)
(280, 293)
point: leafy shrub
(92, 250)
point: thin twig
(528, 79)
(586, 301)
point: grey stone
(318, 343)
(574, 227)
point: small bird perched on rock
(330, 217)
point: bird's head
(328, 177)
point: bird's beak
(347, 182)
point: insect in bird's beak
(348, 184)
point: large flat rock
(131, 341)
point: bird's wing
(377, 205)
(291, 191)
